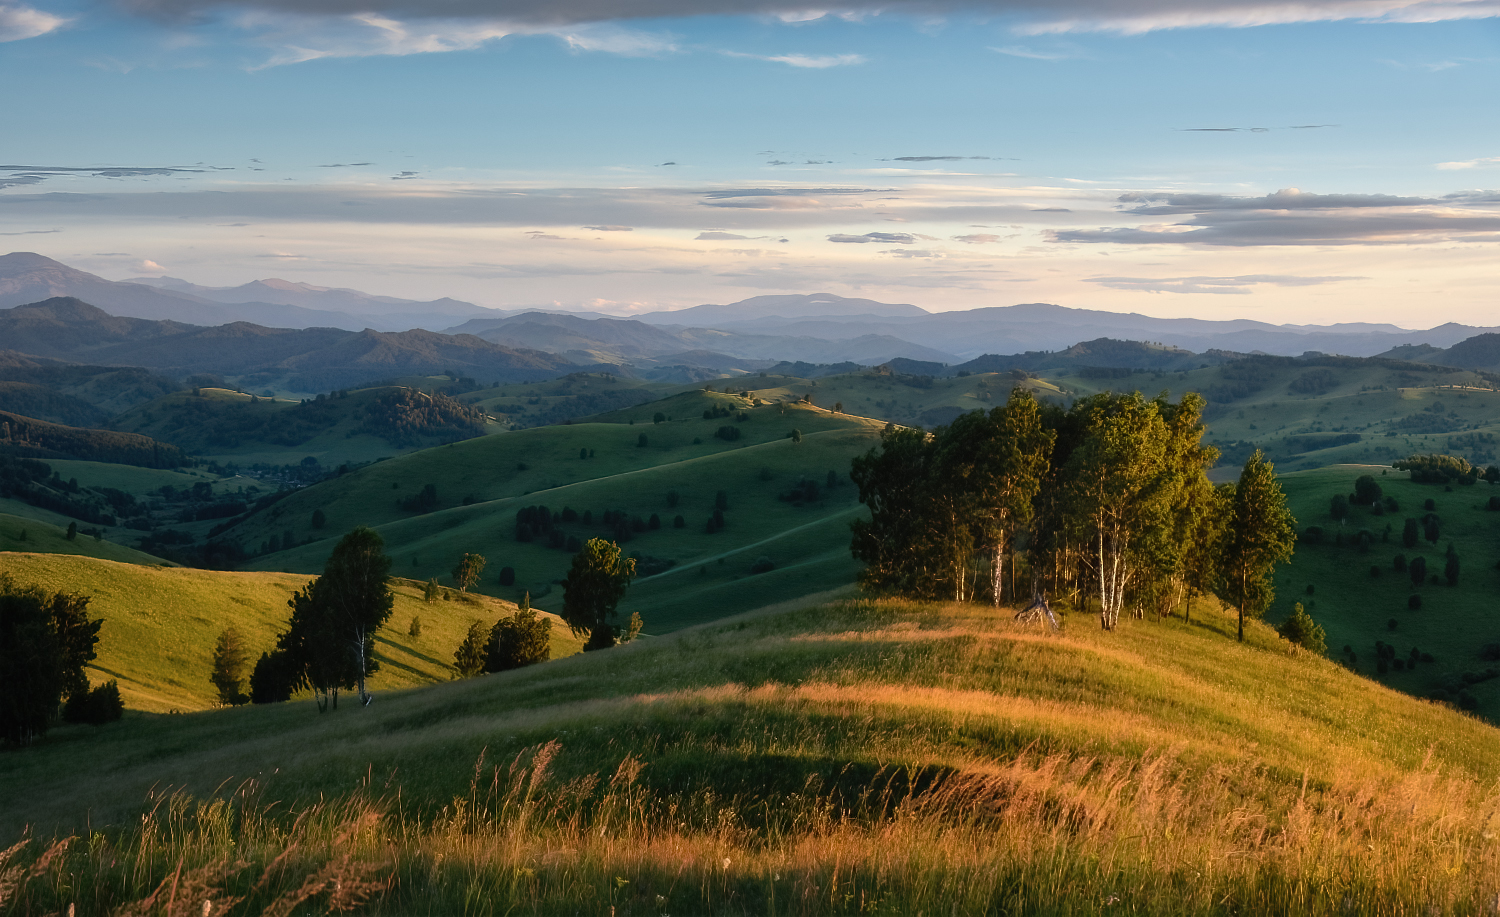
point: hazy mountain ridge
(310, 359)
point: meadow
(160, 625)
(481, 484)
(849, 758)
(1360, 598)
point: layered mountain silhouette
(307, 359)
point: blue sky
(1166, 157)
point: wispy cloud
(807, 61)
(1239, 285)
(903, 238)
(21, 22)
(1471, 163)
(1034, 53)
(1035, 17)
(1294, 217)
(297, 36)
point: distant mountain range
(306, 360)
(283, 322)
(27, 277)
(1044, 327)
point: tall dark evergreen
(330, 639)
(593, 589)
(46, 641)
(1259, 534)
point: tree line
(1105, 503)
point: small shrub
(762, 565)
(1414, 602)
(96, 707)
(414, 630)
(1392, 624)
(507, 576)
(678, 522)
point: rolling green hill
(481, 485)
(357, 426)
(1356, 592)
(1309, 413)
(854, 758)
(160, 624)
(43, 537)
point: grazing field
(1356, 593)
(43, 537)
(860, 757)
(1306, 416)
(481, 485)
(160, 625)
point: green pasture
(806, 544)
(160, 624)
(45, 537)
(1357, 594)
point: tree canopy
(593, 589)
(1106, 502)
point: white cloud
(1470, 163)
(20, 22)
(299, 38)
(1031, 53)
(813, 62)
(147, 267)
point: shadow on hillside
(386, 646)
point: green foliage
(431, 591)
(1437, 468)
(1367, 490)
(330, 637)
(593, 589)
(46, 640)
(96, 707)
(1300, 629)
(424, 501)
(1338, 508)
(470, 656)
(230, 659)
(519, 640)
(466, 574)
(414, 630)
(632, 628)
(1259, 534)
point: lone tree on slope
(229, 662)
(592, 590)
(1259, 535)
(467, 572)
(330, 640)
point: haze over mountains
(273, 328)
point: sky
(1310, 163)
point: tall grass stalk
(1041, 833)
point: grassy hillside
(481, 485)
(160, 625)
(1308, 414)
(1357, 594)
(44, 537)
(855, 758)
(348, 427)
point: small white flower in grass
(726, 862)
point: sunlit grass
(861, 757)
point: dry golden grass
(863, 757)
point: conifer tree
(593, 589)
(230, 658)
(1259, 535)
